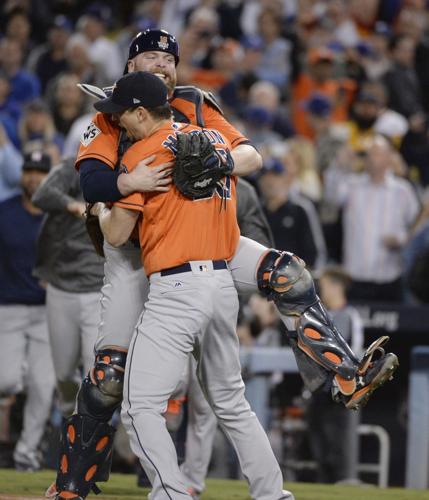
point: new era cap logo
(136, 101)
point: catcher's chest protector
(187, 104)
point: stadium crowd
(333, 93)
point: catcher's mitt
(94, 230)
(199, 167)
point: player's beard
(170, 79)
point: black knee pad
(283, 278)
(101, 390)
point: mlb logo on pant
(204, 268)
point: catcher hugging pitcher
(191, 250)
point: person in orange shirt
(186, 245)
(320, 79)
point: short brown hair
(161, 112)
(338, 274)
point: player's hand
(77, 208)
(97, 208)
(144, 178)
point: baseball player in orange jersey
(323, 356)
(192, 304)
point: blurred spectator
(37, 127)
(332, 428)
(307, 179)
(68, 103)
(327, 138)
(72, 141)
(10, 167)
(10, 110)
(24, 85)
(18, 28)
(258, 122)
(275, 63)
(27, 362)
(219, 67)
(235, 93)
(405, 95)
(49, 59)
(319, 78)
(416, 260)
(341, 24)
(377, 61)
(370, 116)
(252, 9)
(67, 262)
(291, 219)
(79, 63)
(266, 95)
(379, 210)
(102, 51)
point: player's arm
(246, 158)
(100, 183)
(117, 223)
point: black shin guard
(85, 456)
(283, 278)
(87, 438)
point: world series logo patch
(90, 134)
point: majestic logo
(163, 42)
(90, 134)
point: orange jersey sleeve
(99, 141)
(175, 229)
(214, 119)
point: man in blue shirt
(27, 361)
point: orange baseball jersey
(100, 139)
(175, 229)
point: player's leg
(123, 296)
(13, 321)
(200, 433)
(322, 354)
(90, 309)
(39, 387)
(157, 357)
(63, 325)
(219, 372)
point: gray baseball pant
(193, 311)
(27, 365)
(73, 321)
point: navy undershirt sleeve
(98, 181)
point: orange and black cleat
(371, 374)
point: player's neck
(155, 126)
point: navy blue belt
(184, 268)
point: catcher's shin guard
(87, 437)
(283, 278)
(85, 456)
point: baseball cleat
(378, 373)
(52, 491)
(371, 375)
(287, 495)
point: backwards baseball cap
(140, 88)
(153, 40)
(37, 160)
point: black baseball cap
(153, 40)
(37, 160)
(140, 88)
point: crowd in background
(333, 93)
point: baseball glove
(199, 167)
(94, 230)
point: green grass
(123, 487)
